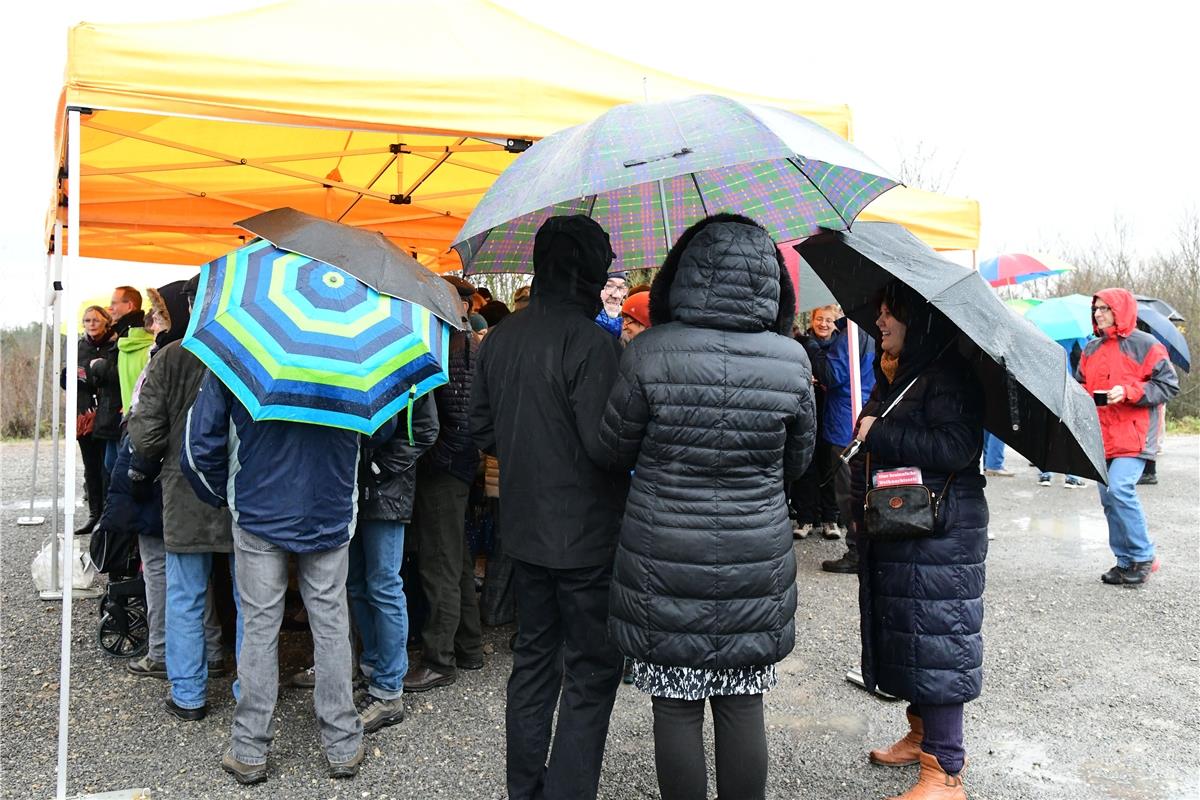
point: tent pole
(31, 519)
(56, 443)
(72, 356)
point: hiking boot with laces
(378, 713)
(1139, 572)
(305, 678)
(146, 667)
(847, 564)
(1115, 576)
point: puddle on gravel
(847, 724)
(1028, 759)
(1117, 781)
(1082, 532)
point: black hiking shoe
(1139, 572)
(845, 565)
(1115, 576)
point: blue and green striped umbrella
(647, 171)
(297, 339)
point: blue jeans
(1127, 534)
(187, 651)
(993, 452)
(377, 601)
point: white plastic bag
(84, 570)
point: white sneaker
(1043, 482)
(830, 530)
(802, 531)
(1073, 483)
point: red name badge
(896, 477)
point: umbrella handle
(1010, 383)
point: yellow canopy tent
(400, 134)
(941, 221)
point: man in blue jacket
(837, 431)
(291, 489)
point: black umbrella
(1161, 306)
(367, 255)
(1032, 403)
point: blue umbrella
(1063, 318)
(298, 339)
(1162, 329)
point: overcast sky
(1056, 116)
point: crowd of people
(645, 458)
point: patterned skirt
(687, 683)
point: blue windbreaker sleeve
(204, 457)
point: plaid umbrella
(1010, 268)
(646, 171)
(297, 339)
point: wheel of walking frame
(128, 640)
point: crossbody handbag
(904, 511)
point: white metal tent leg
(55, 410)
(68, 555)
(30, 518)
(67, 299)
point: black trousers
(813, 502)
(739, 738)
(92, 451)
(562, 644)
(451, 630)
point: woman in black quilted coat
(713, 412)
(921, 599)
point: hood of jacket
(173, 299)
(571, 257)
(726, 273)
(1124, 308)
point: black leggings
(740, 739)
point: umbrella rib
(699, 193)
(821, 192)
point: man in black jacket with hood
(541, 383)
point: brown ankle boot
(934, 783)
(905, 752)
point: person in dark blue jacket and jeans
(291, 489)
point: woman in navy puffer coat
(921, 599)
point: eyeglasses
(1100, 308)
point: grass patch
(1185, 425)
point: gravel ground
(1090, 690)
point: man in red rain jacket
(1128, 372)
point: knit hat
(637, 308)
(478, 323)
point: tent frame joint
(515, 145)
(400, 199)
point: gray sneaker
(346, 769)
(245, 774)
(377, 713)
(145, 667)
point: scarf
(889, 365)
